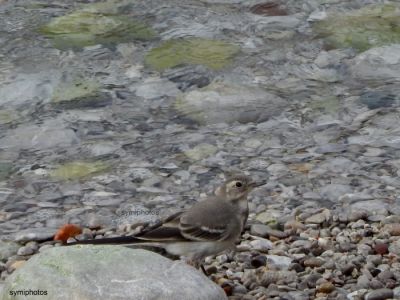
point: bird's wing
(210, 220)
(166, 230)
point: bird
(207, 228)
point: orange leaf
(67, 231)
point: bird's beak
(255, 184)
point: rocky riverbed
(109, 108)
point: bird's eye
(238, 184)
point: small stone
(394, 247)
(312, 279)
(385, 275)
(348, 269)
(259, 261)
(376, 284)
(396, 293)
(356, 295)
(8, 249)
(267, 231)
(226, 285)
(35, 234)
(259, 230)
(262, 245)
(319, 218)
(326, 288)
(280, 262)
(23, 251)
(221, 259)
(313, 262)
(381, 248)
(239, 289)
(363, 282)
(392, 229)
(356, 215)
(296, 267)
(380, 294)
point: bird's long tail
(120, 240)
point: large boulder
(87, 272)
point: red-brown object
(67, 231)
(381, 248)
(269, 9)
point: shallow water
(132, 104)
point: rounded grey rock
(25, 251)
(110, 272)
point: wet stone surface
(115, 114)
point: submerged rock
(371, 26)
(85, 28)
(220, 102)
(78, 169)
(79, 93)
(5, 170)
(376, 99)
(110, 272)
(7, 249)
(378, 64)
(213, 54)
(201, 151)
(52, 133)
(7, 116)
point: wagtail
(207, 228)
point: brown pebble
(268, 9)
(226, 285)
(326, 287)
(381, 248)
(392, 229)
(313, 262)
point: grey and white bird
(207, 228)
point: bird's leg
(204, 270)
(196, 264)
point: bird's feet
(196, 264)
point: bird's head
(237, 187)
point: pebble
(259, 230)
(381, 248)
(313, 262)
(35, 234)
(266, 231)
(319, 218)
(392, 229)
(23, 251)
(380, 294)
(259, 261)
(261, 245)
(326, 288)
(280, 262)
